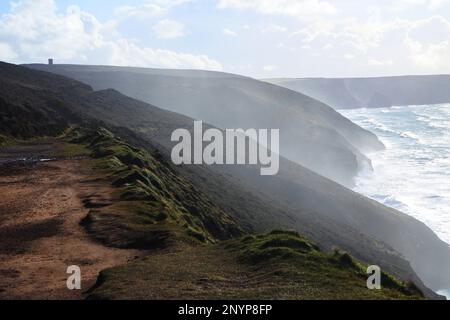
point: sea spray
(412, 174)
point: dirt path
(40, 234)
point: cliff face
(380, 92)
(311, 133)
(326, 212)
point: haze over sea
(413, 173)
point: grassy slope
(279, 265)
(154, 205)
(159, 210)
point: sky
(257, 38)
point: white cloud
(273, 28)
(429, 4)
(148, 9)
(433, 57)
(35, 30)
(360, 37)
(228, 32)
(313, 31)
(7, 53)
(300, 37)
(392, 46)
(269, 68)
(124, 53)
(428, 42)
(294, 8)
(380, 63)
(168, 29)
(349, 56)
(140, 12)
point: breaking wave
(412, 174)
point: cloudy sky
(259, 38)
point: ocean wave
(411, 174)
(409, 134)
(377, 125)
(393, 202)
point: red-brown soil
(41, 207)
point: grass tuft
(142, 179)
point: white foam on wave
(412, 173)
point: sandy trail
(40, 234)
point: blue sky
(259, 38)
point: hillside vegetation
(296, 198)
(157, 209)
(311, 133)
(193, 249)
(278, 265)
(155, 205)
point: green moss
(138, 191)
(287, 254)
(254, 267)
(294, 243)
(278, 245)
(285, 232)
(111, 164)
(141, 177)
(200, 236)
(344, 260)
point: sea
(413, 173)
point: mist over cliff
(296, 198)
(311, 133)
(352, 93)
